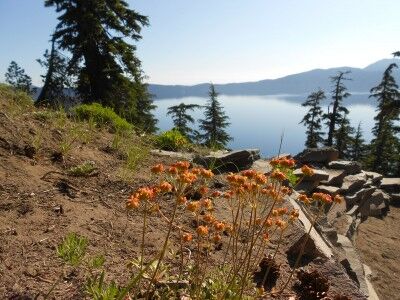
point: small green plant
(172, 140)
(102, 116)
(97, 289)
(84, 169)
(72, 249)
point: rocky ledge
(366, 194)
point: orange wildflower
(216, 194)
(202, 230)
(278, 175)
(307, 171)
(188, 177)
(206, 173)
(203, 190)
(182, 200)
(172, 170)
(165, 187)
(157, 169)
(207, 203)
(303, 198)
(193, 206)
(145, 193)
(216, 238)
(280, 224)
(187, 237)
(219, 226)
(261, 179)
(208, 218)
(182, 165)
(133, 202)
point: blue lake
(259, 121)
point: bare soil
(378, 242)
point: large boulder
(232, 161)
(379, 203)
(335, 177)
(350, 167)
(352, 183)
(374, 177)
(327, 189)
(317, 155)
(359, 196)
(390, 185)
(318, 175)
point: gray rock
(233, 161)
(352, 263)
(318, 176)
(177, 155)
(353, 211)
(331, 190)
(390, 185)
(350, 167)
(262, 166)
(317, 155)
(359, 196)
(306, 187)
(373, 176)
(353, 183)
(335, 177)
(379, 203)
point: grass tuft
(102, 116)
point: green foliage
(96, 262)
(172, 140)
(72, 249)
(103, 116)
(181, 119)
(313, 119)
(343, 138)
(95, 33)
(358, 148)
(214, 123)
(334, 117)
(17, 78)
(97, 289)
(384, 157)
(16, 101)
(84, 169)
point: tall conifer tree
(214, 123)
(95, 32)
(313, 119)
(383, 158)
(182, 119)
(358, 147)
(17, 77)
(339, 93)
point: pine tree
(181, 118)
(343, 137)
(358, 147)
(57, 80)
(339, 93)
(16, 77)
(383, 158)
(94, 32)
(214, 123)
(312, 120)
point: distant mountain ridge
(297, 84)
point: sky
(220, 41)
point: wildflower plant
(257, 210)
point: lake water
(259, 121)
